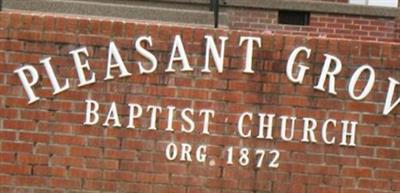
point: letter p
(26, 83)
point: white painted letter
(302, 68)
(240, 124)
(171, 110)
(218, 58)
(249, 51)
(325, 73)
(80, 67)
(153, 119)
(389, 97)
(113, 53)
(53, 79)
(283, 128)
(262, 125)
(206, 122)
(132, 115)
(171, 152)
(368, 87)
(91, 109)
(182, 56)
(346, 133)
(310, 125)
(26, 84)
(145, 53)
(188, 120)
(201, 155)
(186, 149)
(324, 131)
(112, 114)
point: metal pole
(216, 13)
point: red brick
(51, 149)
(374, 184)
(67, 161)
(119, 176)
(85, 173)
(68, 140)
(32, 159)
(16, 147)
(64, 183)
(102, 164)
(30, 181)
(6, 180)
(33, 137)
(99, 185)
(120, 154)
(49, 171)
(85, 151)
(7, 135)
(15, 169)
(376, 141)
(357, 172)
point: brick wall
(321, 24)
(44, 147)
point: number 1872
(260, 155)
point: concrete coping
(304, 5)
(295, 5)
